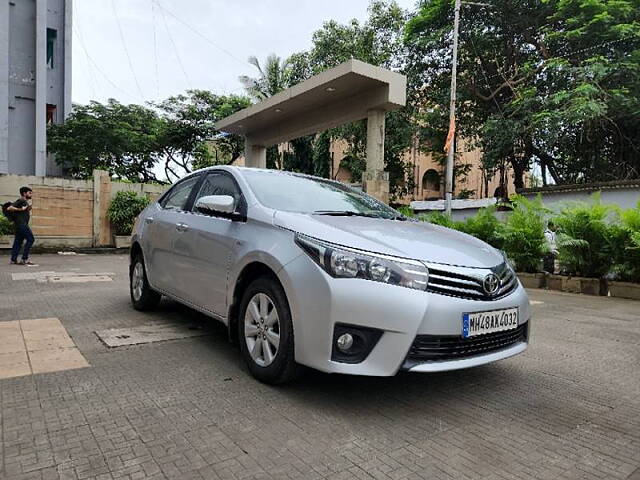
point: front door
(209, 246)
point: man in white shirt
(549, 260)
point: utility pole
(452, 113)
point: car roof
(235, 168)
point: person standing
(550, 258)
(21, 214)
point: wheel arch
(135, 250)
(249, 272)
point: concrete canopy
(334, 97)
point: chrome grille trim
(467, 282)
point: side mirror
(212, 204)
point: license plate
(481, 323)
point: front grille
(432, 348)
(466, 282)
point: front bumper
(318, 302)
(474, 361)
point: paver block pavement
(567, 408)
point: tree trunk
(518, 174)
(549, 163)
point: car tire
(279, 365)
(143, 297)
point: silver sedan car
(307, 271)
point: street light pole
(452, 113)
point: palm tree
(277, 75)
(273, 78)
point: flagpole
(451, 137)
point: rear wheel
(265, 331)
(142, 296)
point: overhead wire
(89, 72)
(155, 47)
(200, 34)
(98, 69)
(173, 43)
(126, 50)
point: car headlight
(510, 264)
(342, 262)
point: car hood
(417, 240)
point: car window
(179, 194)
(219, 184)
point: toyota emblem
(491, 284)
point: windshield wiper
(351, 213)
(345, 213)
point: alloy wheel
(262, 329)
(137, 281)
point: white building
(35, 81)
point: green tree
(188, 138)
(273, 78)
(129, 141)
(379, 41)
(115, 137)
(555, 82)
(590, 89)
(276, 76)
(322, 155)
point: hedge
(593, 240)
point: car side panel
(262, 243)
(208, 250)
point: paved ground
(567, 408)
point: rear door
(164, 230)
(209, 245)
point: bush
(124, 209)
(439, 218)
(626, 244)
(585, 238)
(523, 233)
(406, 211)
(590, 240)
(483, 225)
(6, 226)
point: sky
(139, 51)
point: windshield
(295, 193)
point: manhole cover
(119, 337)
(79, 278)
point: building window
(51, 113)
(52, 35)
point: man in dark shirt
(21, 213)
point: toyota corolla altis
(307, 271)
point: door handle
(148, 220)
(182, 227)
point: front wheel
(142, 296)
(266, 332)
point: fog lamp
(353, 343)
(345, 342)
